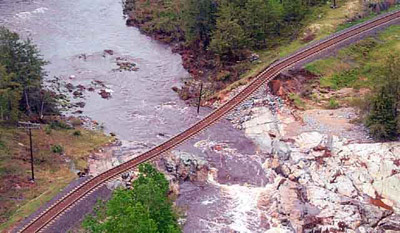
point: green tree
(388, 77)
(262, 21)
(294, 10)
(145, 208)
(22, 59)
(382, 119)
(200, 18)
(121, 215)
(10, 96)
(228, 37)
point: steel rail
(77, 194)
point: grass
(298, 102)
(19, 197)
(346, 78)
(356, 65)
(333, 104)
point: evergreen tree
(23, 60)
(262, 21)
(228, 37)
(294, 10)
(382, 119)
(10, 95)
(200, 19)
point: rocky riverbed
(324, 173)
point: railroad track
(76, 195)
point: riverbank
(61, 151)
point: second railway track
(77, 194)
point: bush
(58, 149)
(77, 133)
(298, 102)
(333, 104)
(223, 76)
(382, 119)
(47, 129)
(59, 125)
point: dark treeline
(22, 93)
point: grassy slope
(18, 197)
(355, 66)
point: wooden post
(30, 142)
(201, 91)
(29, 126)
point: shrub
(381, 120)
(77, 133)
(59, 125)
(298, 102)
(58, 149)
(333, 103)
(223, 75)
(383, 117)
(47, 129)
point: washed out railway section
(313, 50)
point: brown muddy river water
(73, 35)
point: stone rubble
(323, 181)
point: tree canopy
(21, 79)
(143, 209)
(383, 119)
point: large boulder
(281, 149)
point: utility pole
(200, 94)
(30, 143)
(334, 6)
(29, 126)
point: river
(73, 35)
(142, 104)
